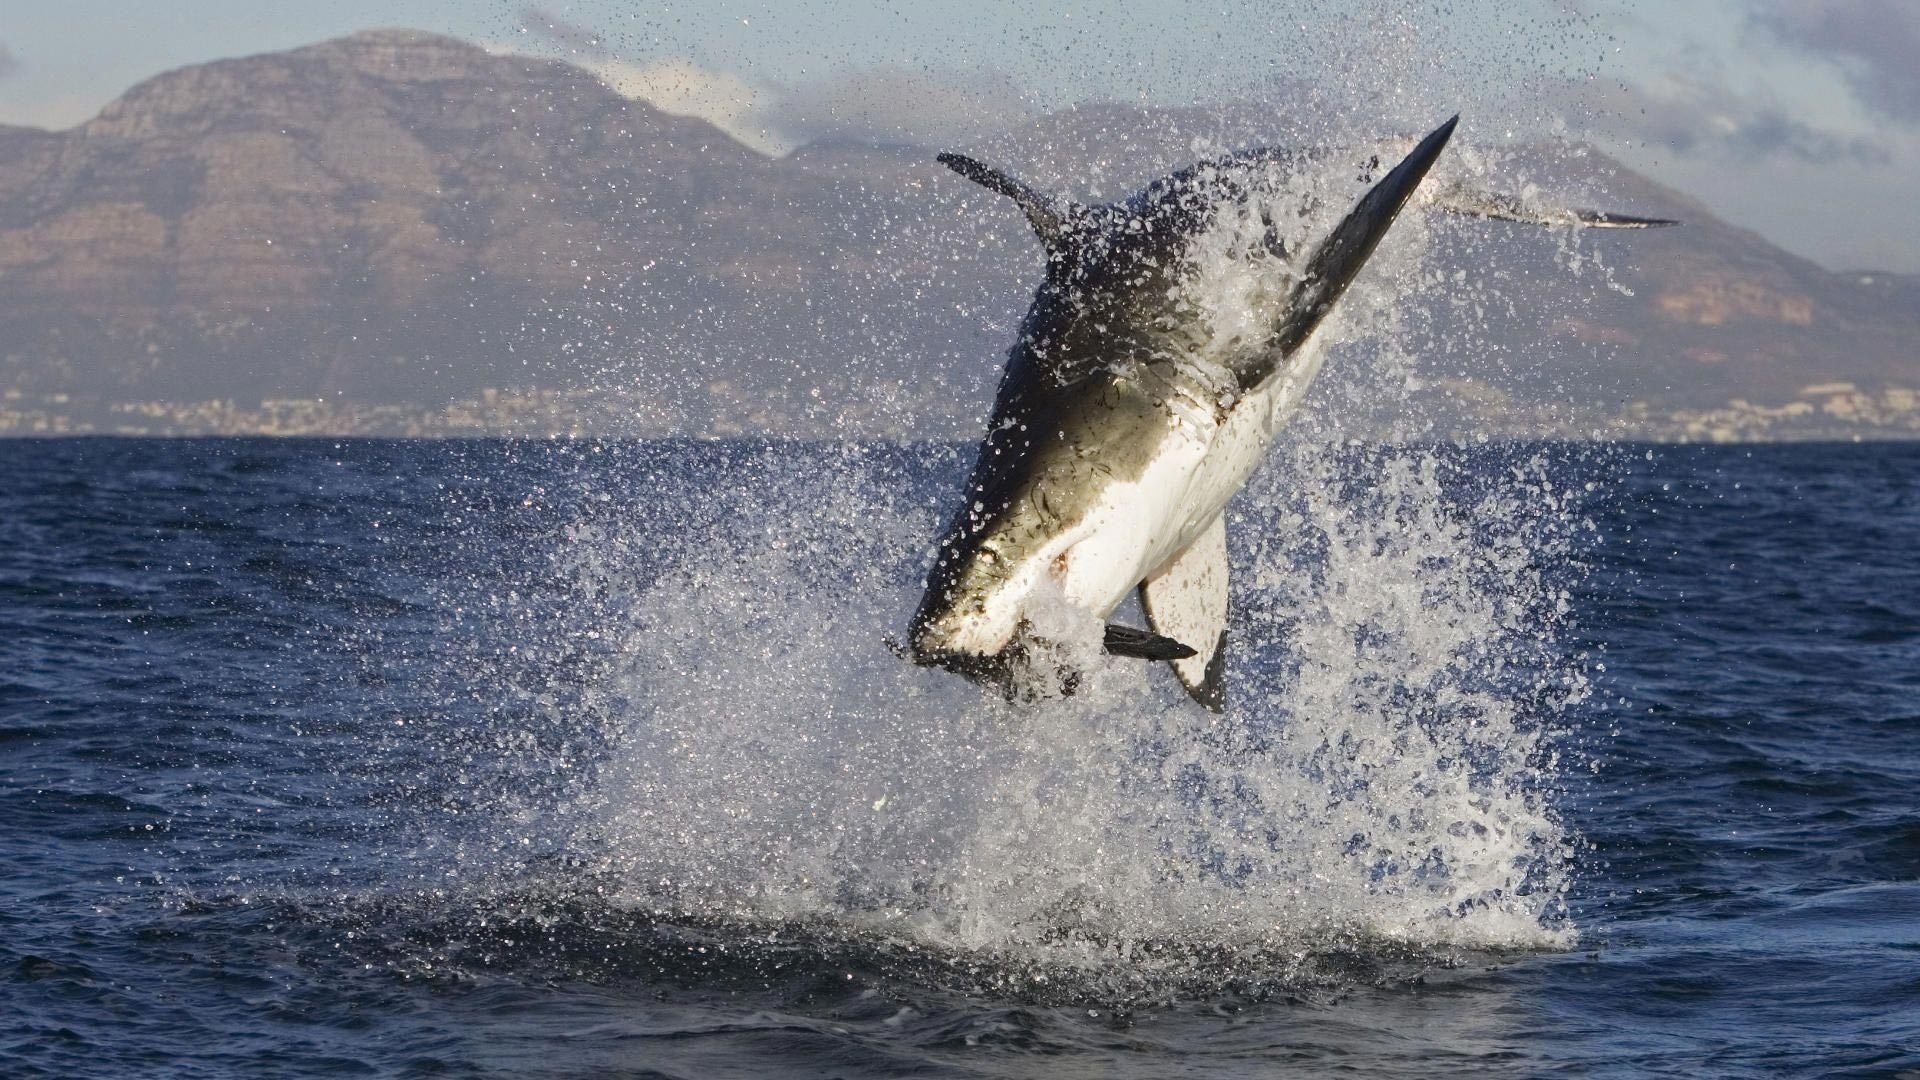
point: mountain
(374, 216)
(379, 225)
(1679, 322)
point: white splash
(1375, 777)
(1384, 773)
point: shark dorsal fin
(1052, 218)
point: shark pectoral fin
(1468, 202)
(1601, 219)
(1141, 644)
(1051, 217)
(1187, 600)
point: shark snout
(972, 609)
(947, 634)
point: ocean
(583, 759)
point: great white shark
(1135, 405)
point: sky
(1799, 119)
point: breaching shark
(1133, 407)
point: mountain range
(398, 221)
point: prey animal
(1135, 404)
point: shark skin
(1131, 411)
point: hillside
(395, 221)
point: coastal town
(1838, 411)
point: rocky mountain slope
(399, 218)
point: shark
(1135, 404)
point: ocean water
(363, 758)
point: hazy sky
(1797, 118)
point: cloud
(674, 85)
(1697, 116)
(8, 64)
(883, 105)
(891, 105)
(572, 37)
(1876, 44)
(684, 88)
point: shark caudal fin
(1187, 599)
(1468, 202)
(1340, 256)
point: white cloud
(672, 84)
(878, 105)
(891, 105)
(873, 106)
(684, 88)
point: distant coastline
(372, 236)
(1822, 412)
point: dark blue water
(493, 759)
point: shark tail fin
(1338, 259)
(1051, 217)
(1468, 202)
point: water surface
(375, 758)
